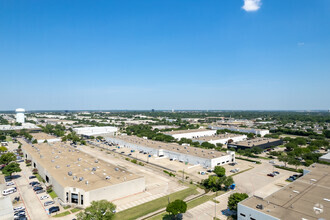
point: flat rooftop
(255, 142)
(189, 150)
(59, 159)
(217, 137)
(236, 127)
(187, 131)
(306, 198)
(43, 136)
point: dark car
(276, 172)
(36, 188)
(54, 209)
(40, 191)
(34, 183)
(270, 174)
(32, 177)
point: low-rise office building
(92, 131)
(193, 133)
(221, 138)
(261, 132)
(325, 157)
(79, 178)
(258, 142)
(307, 198)
(186, 154)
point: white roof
(20, 110)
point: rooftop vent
(68, 165)
(70, 173)
(86, 182)
(52, 161)
(81, 179)
(57, 166)
(260, 206)
(96, 161)
(116, 169)
(107, 177)
(79, 159)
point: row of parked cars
(293, 177)
(273, 174)
(19, 213)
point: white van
(9, 191)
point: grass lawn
(8, 138)
(39, 177)
(154, 205)
(52, 194)
(62, 214)
(74, 210)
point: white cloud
(251, 5)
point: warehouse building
(263, 143)
(194, 133)
(91, 131)
(79, 178)
(261, 132)
(186, 154)
(221, 138)
(42, 137)
(307, 198)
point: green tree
(234, 199)
(34, 141)
(228, 181)
(11, 168)
(250, 135)
(220, 171)
(2, 138)
(101, 210)
(3, 149)
(7, 158)
(284, 159)
(295, 162)
(176, 207)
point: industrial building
(193, 133)
(183, 153)
(307, 198)
(325, 157)
(261, 132)
(221, 138)
(91, 131)
(79, 178)
(20, 117)
(258, 142)
(42, 137)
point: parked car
(54, 209)
(44, 197)
(19, 208)
(129, 154)
(37, 188)
(49, 203)
(32, 177)
(40, 191)
(10, 184)
(276, 172)
(34, 183)
(270, 174)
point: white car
(44, 197)
(19, 208)
(10, 183)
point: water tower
(20, 118)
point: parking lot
(29, 200)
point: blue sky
(169, 54)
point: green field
(154, 205)
(62, 214)
(52, 194)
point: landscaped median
(154, 205)
(191, 204)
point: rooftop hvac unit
(74, 177)
(52, 161)
(81, 179)
(260, 206)
(86, 182)
(70, 173)
(57, 166)
(107, 177)
(116, 169)
(79, 159)
(68, 165)
(96, 161)
(93, 169)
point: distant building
(221, 138)
(91, 131)
(307, 198)
(325, 157)
(262, 143)
(261, 132)
(186, 154)
(20, 117)
(193, 133)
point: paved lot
(157, 183)
(209, 209)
